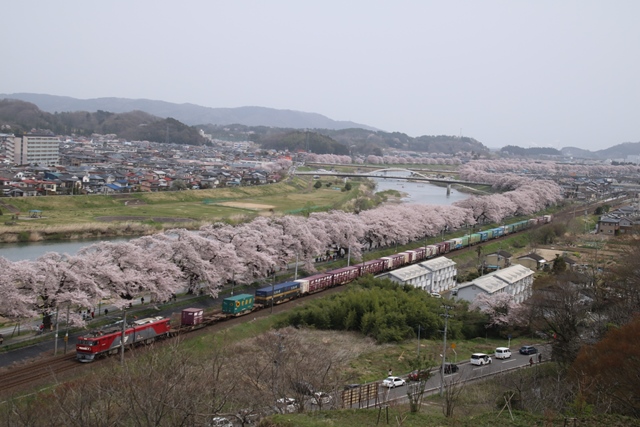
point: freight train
(108, 340)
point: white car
(321, 398)
(480, 359)
(220, 422)
(502, 353)
(392, 382)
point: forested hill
(346, 141)
(23, 116)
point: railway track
(35, 373)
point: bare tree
(451, 395)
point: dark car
(450, 368)
(421, 375)
(528, 349)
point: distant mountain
(617, 152)
(620, 151)
(189, 114)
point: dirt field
(252, 206)
(142, 218)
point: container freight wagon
(192, 317)
(342, 276)
(443, 248)
(417, 254)
(108, 340)
(237, 304)
(432, 250)
(464, 241)
(475, 238)
(498, 232)
(374, 267)
(509, 228)
(455, 243)
(278, 293)
(315, 283)
(395, 261)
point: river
(421, 193)
(416, 192)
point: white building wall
(43, 150)
(436, 275)
(516, 280)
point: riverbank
(34, 219)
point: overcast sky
(528, 73)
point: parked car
(450, 368)
(351, 386)
(287, 405)
(422, 374)
(321, 397)
(502, 353)
(220, 422)
(392, 382)
(528, 349)
(480, 359)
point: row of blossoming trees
(205, 260)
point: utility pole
(446, 316)
(122, 338)
(273, 284)
(418, 343)
(55, 346)
(66, 335)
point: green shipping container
(237, 304)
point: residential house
(532, 261)
(608, 225)
(498, 260)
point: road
(467, 372)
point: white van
(480, 359)
(502, 353)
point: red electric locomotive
(108, 340)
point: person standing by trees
(531, 361)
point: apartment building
(434, 276)
(516, 280)
(35, 149)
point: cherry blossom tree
(126, 270)
(206, 264)
(256, 245)
(344, 230)
(299, 240)
(500, 307)
(64, 280)
(16, 281)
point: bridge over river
(397, 173)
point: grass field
(143, 213)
